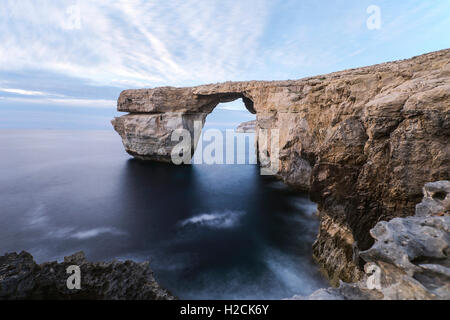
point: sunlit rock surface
(363, 141)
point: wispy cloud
(67, 102)
(23, 92)
(137, 43)
(240, 107)
(41, 97)
(133, 43)
(92, 233)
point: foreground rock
(410, 258)
(22, 278)
(363, 141)
(247, 127)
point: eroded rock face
(21, 278)
(436, 199)
(362, 141)
(149, 136)
(410, 257)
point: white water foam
(218, 220)
(293, 272)
(309, 208)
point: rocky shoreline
(410, 259)
(362, 141)
(21, 278)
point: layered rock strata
(362, 141)
(410, 258)
(22, 279)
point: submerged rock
(363, 141)
(410, 258)
(21, 278)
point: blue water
(210, 232)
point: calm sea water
(210, 232)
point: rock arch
(363, 141)
(155, 113)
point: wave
(218, 220)
(306, 206)
(296, 274)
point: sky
(64, 63)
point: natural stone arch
(154, 114)
(364, 141)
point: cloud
(133, 42)
(138, 43)
(23, 92)
(92, 233)
(68, 102)
(41, 97)
(233, 107)
(70, 233)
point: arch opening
(213, 100)
(220, 141)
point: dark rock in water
(21, 278)
(247, 127)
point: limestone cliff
(363, 141)
(410, 259)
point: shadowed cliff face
(22, 279)
(363, 140)
(410, 257)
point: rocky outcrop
(21, 278)
(247, 127)
(410, 258)
(362, 141)
(154, 114)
